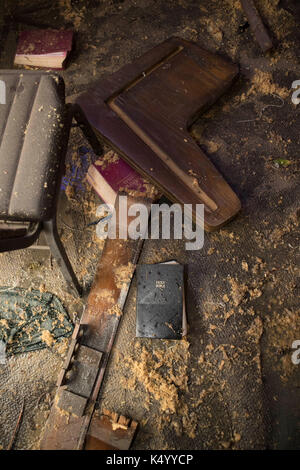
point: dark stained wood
(257, 26)
(92, 443)
(71, 403)
(144, 110)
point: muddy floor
(231, 384)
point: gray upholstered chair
(34, 130)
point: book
(184, 318)
(43, 48)
(111, 174)
(160, 305)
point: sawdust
(233, 12)
(262, 83)
(70, 193)
(62, 346)
(68, 11)
(237, 291)
(258, 266)
(282, 329)
(234, 4)
(279, 20)
(212, 146)
(115, 310)
(116, 426)
(105, 294)
(214, 28)
(108, 158)
(162, 372)
(269, 10)
(123, 275)
(147, 190)
(4, 322)
(245, 266)
(47, 338)
(231, 444)
(256, 330)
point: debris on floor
(233, 383)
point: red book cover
(112, 174)
(45, 41)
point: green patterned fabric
(30, 319)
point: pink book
(46, 48)
(111, 174)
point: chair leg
(59, 253)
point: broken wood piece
(144, 111)
(123, 420)
(71, 403)
(84, 371)
(257, 26)
(110, 432)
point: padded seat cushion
(33, 140)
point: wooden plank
(84, 371)
(71, 403)
(144, 110)
(100, 321)
(108, 433)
